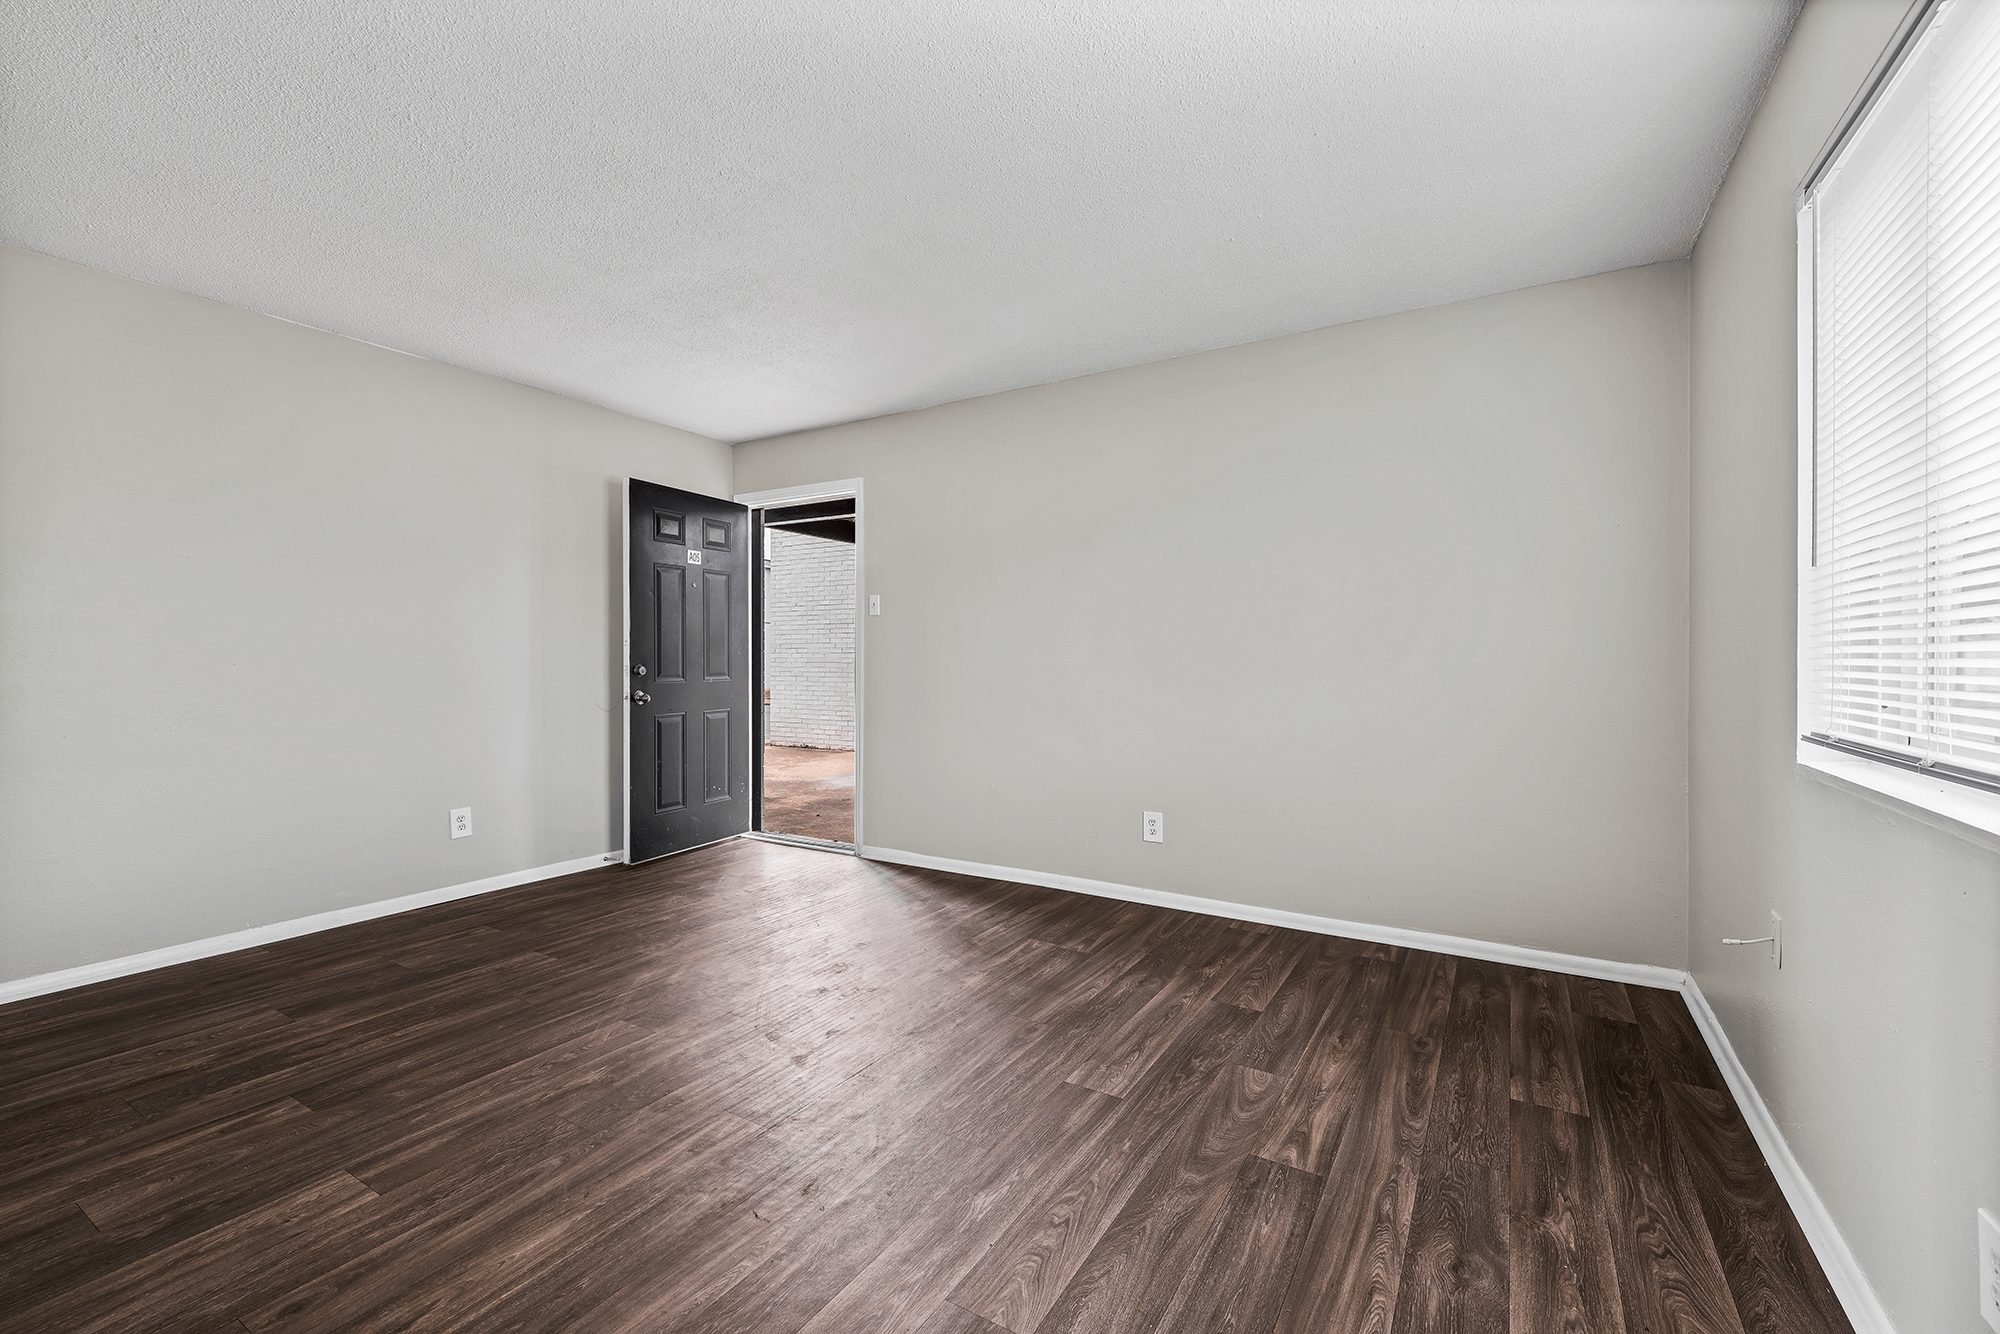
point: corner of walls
(1687, 629)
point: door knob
(641, 697)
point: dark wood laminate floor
(759, 1088)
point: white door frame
(846, 489)
(624, 854)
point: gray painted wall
(1878, 1045)
(1389, 619)
(273, 602)
(809, 655)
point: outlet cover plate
(1153, 827)
(461, 822)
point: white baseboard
(1864, 1309)
(83, 975)
(1637, 974)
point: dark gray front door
(689, 669)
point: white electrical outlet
(1153, 827)
(1989, 1267)
(461, 822)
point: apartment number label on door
(694, 555)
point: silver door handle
(641, 697)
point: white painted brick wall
(809, 641)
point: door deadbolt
(638, 669)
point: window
(1899, 596)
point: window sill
(1953, 807)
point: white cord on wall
(1776, 940)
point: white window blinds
(1900, 595)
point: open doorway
(808, 632)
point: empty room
(1000, 668)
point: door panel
(716, 624)
(688, 671)
(716, 751)
(670, 613)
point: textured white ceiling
(745, 218)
